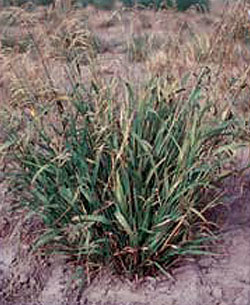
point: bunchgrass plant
(121, 184)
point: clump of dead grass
(73, 41)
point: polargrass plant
(128, 185)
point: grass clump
(74, 42)
(125, 184)
(141, 47)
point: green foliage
(100, 4)
(121, 184)
(181, 5)
(43, 2)
(200, 5)
(103, 4)
(7, 3)
(13, 2)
